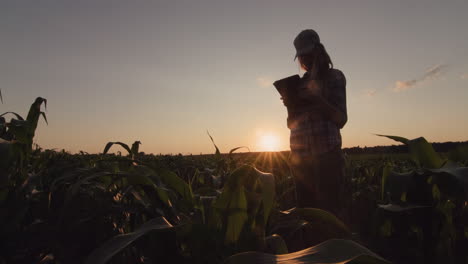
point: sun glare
(268, 142)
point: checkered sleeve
(337, 97)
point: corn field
(130, 207)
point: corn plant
(430, 201)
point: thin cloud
(264, 82)
(432, 73)
(370, 92)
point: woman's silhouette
(316, 113)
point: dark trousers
(320, 181)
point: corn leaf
(396, 138)
(110, 144)
(453, 176)
(135, 148)
(395, 184)
(217, 153)
(235, 149)
(421, 152)
(34, 114)
(459, 153)
(113, 246)
(334, 251)
(267, 182)
(395, 208)
(13, 113)
(237, 216)
(174, 182)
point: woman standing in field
(316, 113)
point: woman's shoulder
(336, 74)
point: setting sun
(268, 142)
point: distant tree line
(439, 147)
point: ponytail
(317, 60)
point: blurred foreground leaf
(105, 252)
(333, 251)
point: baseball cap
(305, 42)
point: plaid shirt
(312, 132)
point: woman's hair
(318, 61)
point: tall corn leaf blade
(110, 144)
(105, 252)
(334, 251)
(34, 114)
(217, 153)
(396, 138)
(1, 97)
(421, 152)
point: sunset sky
(165, 72)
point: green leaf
(237, 216)
(421, 152)
(140, 178)
(267, 183)
(305, 227)
(452, 175)
(20, 129)
(174, 182)
(386, 171)
(334, 251)
(460, 153)
(106, 251)
(396, 184)
(321, 217)
(424, 154)
(110, 144)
